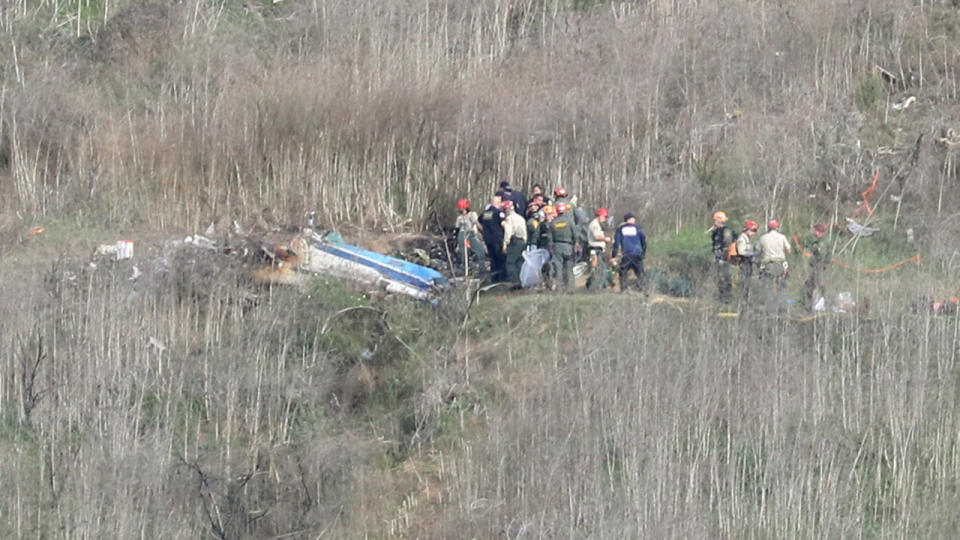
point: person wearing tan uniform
(774, 248)
(597, 242)
(746, 258)
(514, 241)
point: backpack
(732, 256)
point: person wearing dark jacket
(721, 239)
(631, 239)
(491, 220)
(518, 197)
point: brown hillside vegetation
(382, 112)
(171, 396)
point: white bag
(533, 261)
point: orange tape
(915, 258)
(866, 196)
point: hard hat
(507, 205)
(720, 215)
(773, 224)
(463, 204)
(752, 225)
(562, 208)
(559, 192)
(603, 212)
(548, 209)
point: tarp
(533, 261)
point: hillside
(192, 402)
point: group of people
(510, 225)
(769, 256)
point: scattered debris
(157, 344)
(949, 138)
(903, 104)
(860, 230)
(200, 242)
(119, 251)
(38, 230)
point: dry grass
(383, 113)
(200, 406)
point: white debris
(157, 344)
(200, 241)
(903, 104)
(859, 229)
(122, 249)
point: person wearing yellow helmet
(722, 237)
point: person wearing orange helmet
(468, 233)
(597, 242)
(774, 248)
(544, 240)
(746, 258)
(722, 237)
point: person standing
(746, 257)
(774, 248)
(562, 254)
(722, 237)
(820, 254)
(514, 242)
(468, 232)
(545, 241)
(518, 198)
(491, 220)
(631, 239)
(597, 242)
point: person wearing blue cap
(633, 241)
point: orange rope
(915, 258)
(866, 195)
(841, 264)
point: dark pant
(746, 279)
(562, 259)
(498, 261)
(463, 238)
(773, 276)
(724, 280)
(813, 287)
(635, 263)
(515, 259)
(599, 273)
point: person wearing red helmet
(564, 238)
(746, 257)
(722, 237)
(597, 242)
(774, 248)
(468, 233)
